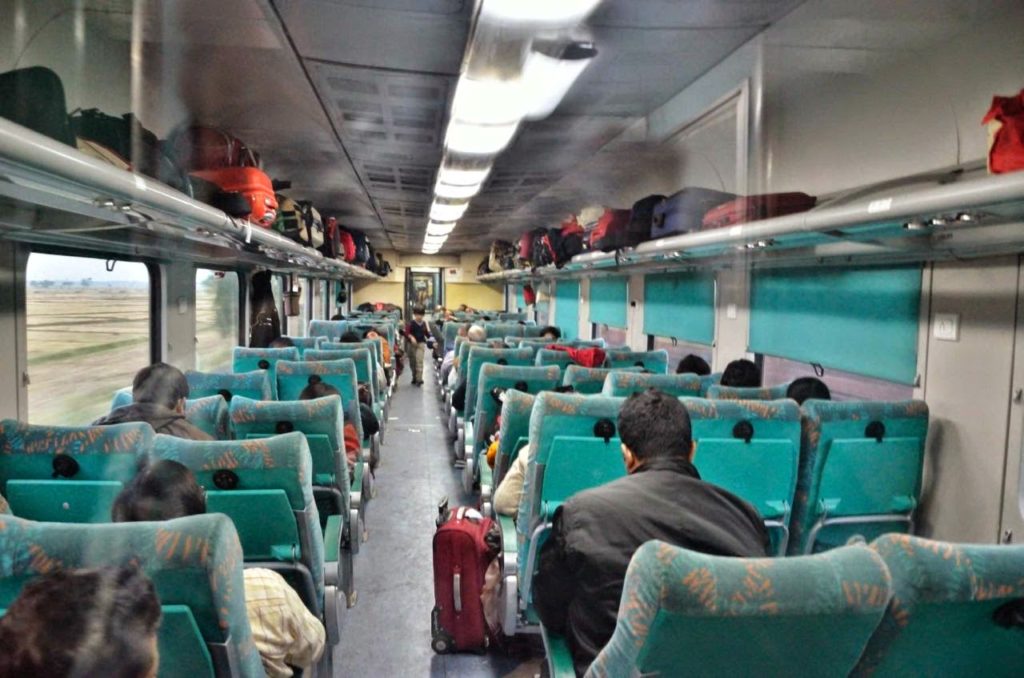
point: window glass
(277, 284)
(842, 385)
(678, 350)
(88, 334)
(614, 337)
(216, 319)
(319, 299)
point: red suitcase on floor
(251, 182)
(461, 557)
(754, 207)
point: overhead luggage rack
(971, 217)
(51, 193)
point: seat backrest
(564, 421)
(293, 377)
(719, 392)
(271, 502)
(502, 330)
(362, 327)
(371, 345)
(102, 459)
(952, 610)
(707, 381)
(478, 356)
(515, 426)
(538, 342)
(549, 356)
(331, 329)
(255, 384)
(620, 384)
(652, 361)
(688, 613)
(209, 414)
(249, 359)
(511, 317)
(492, 376)
(320, 420)
(363, 359)
(303, 343)
(857, 458)
(449, 332)
(589, 380)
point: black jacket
(583, 563)
(162, 419)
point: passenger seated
(449, 358)
(510, 489)
(370, 424)
(352, 444)
(86, 622)
(381, 336)
(284, 631)
(475, 333)
(808, 388)
(595, 533)
(352, 337)
(741, 374)
(159, 393)
(551, 333)
(693, 364)
(282, 342)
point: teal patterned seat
(624, 384)
(492, 376)
(249, 359)
(330, 329)
(376, 356)
(362, 327)
(266, 487)
(652, 361)
(255, 384)
(752, 449)
(685, 613)
(515, 430)
(575, 447)
(68, 474)
(511, 317)
(589, 380)
(477, 357)
(448, 334)
(209, 415)
(304, 343)
(550, 356)
(365, 371)
(719, 392)
(195, 564)
(707, 381)
(956, 610)
(502, 330)
(538, 342)
(860, 471)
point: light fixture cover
(487, 102)
(447, 212)
(537, 12)
(473, 139)
(456, 192)
(547, 79)
(461, 177)
(440, 230)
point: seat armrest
(332, 538)
(558, 656)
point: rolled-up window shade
(681, 306)
(608, 301)
(567, 308)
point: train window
(319, 288)
(88, 333)
(613, 336)
(843, 385)
(297, 323)
(216, 319)
(677, 350)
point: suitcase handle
(457, 591)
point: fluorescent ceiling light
(427, 250)
(456, 192)
(462, 177)
(435, 229)
(434, 239)
(464, 137)
(540, 12)
(547, 79)
(488, 102)
(444, 212)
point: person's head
(463, 308)
(282, 342)
(653, 425)
(96, 622)
(364, 395)
(417, 313)
(338, 316)
(476, 333)
(808, 388)
(551, 332)
(350, 337)
(318, 389)
(742, 374)
(161, 384)
(463, 330)
(693, 364)
(161, 490)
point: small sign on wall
(453, 274)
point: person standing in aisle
(417, 336)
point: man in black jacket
(583, 563)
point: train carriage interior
(388, 288)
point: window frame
(242, 326)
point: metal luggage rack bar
(42, 178)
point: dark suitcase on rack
(34, 98)
(754, 207)
(542, 252)
(461, 557)
(683, 212)
(362, 249)
(567, 241)
(611, 232)
(641, 218)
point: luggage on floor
(610, 233)
(34, 98)
(754, 207)
(641, 218)
(462, 552)
(1005, 120)
(348, 246)
(502, 256)
(251, 182)
(683, 212)
(207, 148)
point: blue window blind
(860, 320)
(681, 306)
(567, 308)
(608, 301)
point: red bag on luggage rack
(461, 556)
(526, 248)
(348, 246)
(754, 207)
(611, 232)
(1005, 122)
(253, 184)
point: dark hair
(552, 330)
(96, 622)
(742, 374)
(654, 424)
(418, 310)
(161, 490)
(318, 389)
(282, 342)
(808, 388)
(338, 316)
(161, 384)
(350, 337)
(693, 364)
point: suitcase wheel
(441, 644)
(440, 641)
